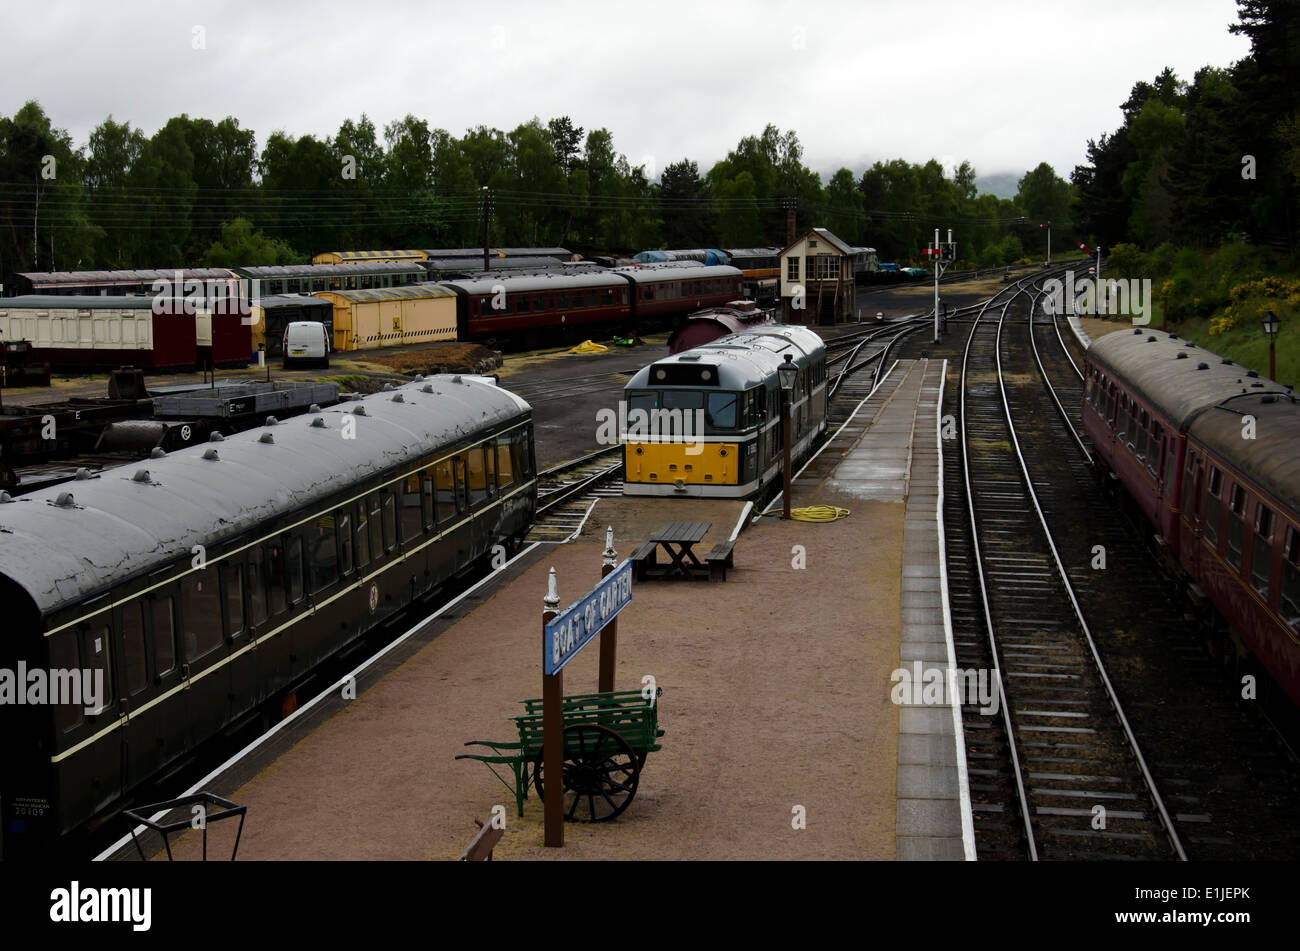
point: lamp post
(786, 374)
(1271, 326)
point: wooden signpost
(564, 633)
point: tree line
(202, 192)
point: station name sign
(573, 627)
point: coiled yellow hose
(819, 513)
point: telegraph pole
(486, 202)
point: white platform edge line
(959, 738)
(126, 839)
(1079, 333)
(776, 500)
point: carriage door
(1193, 502)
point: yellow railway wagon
(350, 257)
(392, 316)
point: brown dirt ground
(454, 356)
(776, 695)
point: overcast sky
(1004, 84)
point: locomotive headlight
(705, 374)
(660, 374)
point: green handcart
(607, 737)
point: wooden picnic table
(679, 539)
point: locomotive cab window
(721, 412)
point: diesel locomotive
(707, 422)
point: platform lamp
(786, 374)
(1271, 326)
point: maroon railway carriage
(100, 332)
(503, 304)
(667, 290)
(712, 323)
(1210, 454)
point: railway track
(1056, 771)
(566, 492)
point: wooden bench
(643, 558)
(485, 840)
(719, 559)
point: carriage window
(1236, 525)
(1122, 418)
(591, 299)
(322, 556)
(1291, 579)
(201, 613)
(343, 521)
(489, 469)
(63, 656)
(133, 648)
(521, 303)
(375, 522)
(256, 584)
(100, 665)
(444, 491)
(1171, 461)
(1261, 559)
(476, 475)
(293, 562)
(410, 518)
(390, 520)
(505, 471)
(164, 636)
(426, 499)
(721, 411)
(1141, 434)
(277, 596)
(462, 496)
(539, 303)
(230, 577)
(360, 540)
(562, 300)
(1213, 494)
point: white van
(306, 341)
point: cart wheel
(600, 773)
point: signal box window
(1261, 557)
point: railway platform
(782, 739)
